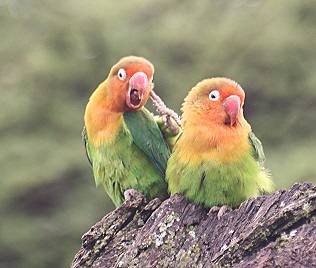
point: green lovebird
(122, 139)
(217, 160)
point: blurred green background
(53, 55)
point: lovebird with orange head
(123, 142)
(217, 160)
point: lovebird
(217, 160)
(122, 139)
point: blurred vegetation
(54, 54)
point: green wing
(258, 149)
(147, 136)
(87, 146)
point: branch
(270, 231)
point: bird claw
(171, 124)
(166, 113)
(175, 129)
(164, 119)
(131, 194)
(220, 211)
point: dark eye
(214, 95)
(121, 74)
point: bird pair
(216, 159)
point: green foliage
(54, 54)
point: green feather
(136, 160)
(86, 145)
(148, 137)
(258, 149)
(215, 184)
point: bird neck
(216, 142)
(102, 121)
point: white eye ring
(214, 95)
(152, 79)
(121, 74)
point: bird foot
(166, 113)
(220, 211)
(131, 194)
(171, 124)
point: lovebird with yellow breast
(122, 139)
(217, 160)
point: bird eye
(121, 74)
(214, 95)
(152, 79)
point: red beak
(137, 86)
(232, 108)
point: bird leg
(220, 210)
(166, 113)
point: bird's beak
(137, 87)
(232, 108)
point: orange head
(129, 83)
(126, 88)
(217, 100)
